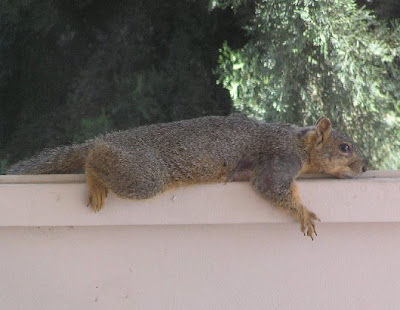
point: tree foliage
(72, 69)
(309, 58)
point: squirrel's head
(332, 152)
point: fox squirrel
(142, 162)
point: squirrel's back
(200, 149)
(204, 149)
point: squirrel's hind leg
(129, 173)
(97, 192)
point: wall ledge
(59, 200)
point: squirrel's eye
(344, 148)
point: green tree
(309, 58)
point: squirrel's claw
(307, 224)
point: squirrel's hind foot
(97, 194)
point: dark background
(71, 69)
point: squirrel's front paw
(307, 223)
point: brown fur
(140, 163)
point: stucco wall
(210, 246)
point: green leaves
(308, 58)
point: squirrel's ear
(323, 129)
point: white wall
(200, 247)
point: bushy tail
(63, 159)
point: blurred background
(71, 69)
